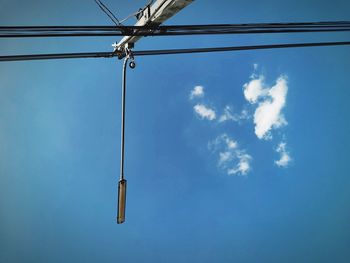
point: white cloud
(271, 100)
(268, 114)
(222, 141)
(197, 92)
(285, 158)
(231, 144)
(224, 157)
(231, 158)
(265, 107)
(243, 165)
(254, 89)
(205, 112)
(244, 115)
(229, 116)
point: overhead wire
(175, 30)
(92, 33)
(95, 31)
(108, 12)
(167, 51)
(254, 25)
(236, 48)
(110, 34)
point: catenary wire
(161, 32)
(79, 31)
(254, 25)
(166, 51)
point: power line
(255, 25)
(167, 33)
(57, 56)
(98, 31)
(108, 12)
(236, 48)
(165, 51)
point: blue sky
(205, 137)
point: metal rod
(122, 151)
(122, 181)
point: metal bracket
(144, 12)
(129, 55)
(125, 51)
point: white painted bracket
(153, 15)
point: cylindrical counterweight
(121, 201)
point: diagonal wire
(108, 12)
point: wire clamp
(129, 55)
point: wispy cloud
(205, 112)
(232, 159)
(197, 92)
(225, 157)
(243, 165)
(285, 158)
(228, 115)
(264, 106)
(268, 115)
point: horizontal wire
(236, 48)
(160, 28)
(169, 33)
(79, 31)
(57, 56)
(336, 23)
(165, 52)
